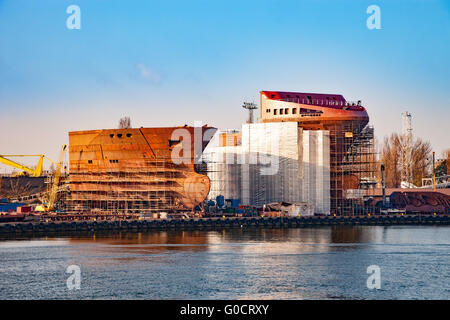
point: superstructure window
(129, 135)
(309, 111)
(89, 161)
(275, 111)
(119, 135)
(294, 110)
(281, 111)
(114, 161)
(286, 111)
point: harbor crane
(57, 175)
(37, 172)
(26, 171)
(50, 205)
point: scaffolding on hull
(136, 190)
(135, 170)
(352, 167)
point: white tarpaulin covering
(277, 162)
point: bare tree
(391, 155)
(125, 123)
(18, 189)
(422, 161)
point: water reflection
(156, 246)
(244, 263)
(170, 240)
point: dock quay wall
(51, 227)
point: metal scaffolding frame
(141, 189)
(352, 167)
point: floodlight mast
(250, 106)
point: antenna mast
(406, 148)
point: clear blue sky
(169, 63)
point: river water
(301, 263)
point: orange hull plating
(132, 170)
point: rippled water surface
(304, 263)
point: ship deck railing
(323, 102)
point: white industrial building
(271, 162)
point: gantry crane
(26, 171)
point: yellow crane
(54, 191)
(26, 171)
(50, 206)
(37, 172)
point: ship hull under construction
(352, 156)
(135, 170)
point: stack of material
(24, 209)
(276, 162)
(420, 201)
(292, 209)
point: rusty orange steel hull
(134, 170)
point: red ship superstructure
(311, 110)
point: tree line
(395, 147)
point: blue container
(235, 203)
(3, 200)
(210, 203)
(220, 201)
(6, 207)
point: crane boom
(54, 191)
(35, 173)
